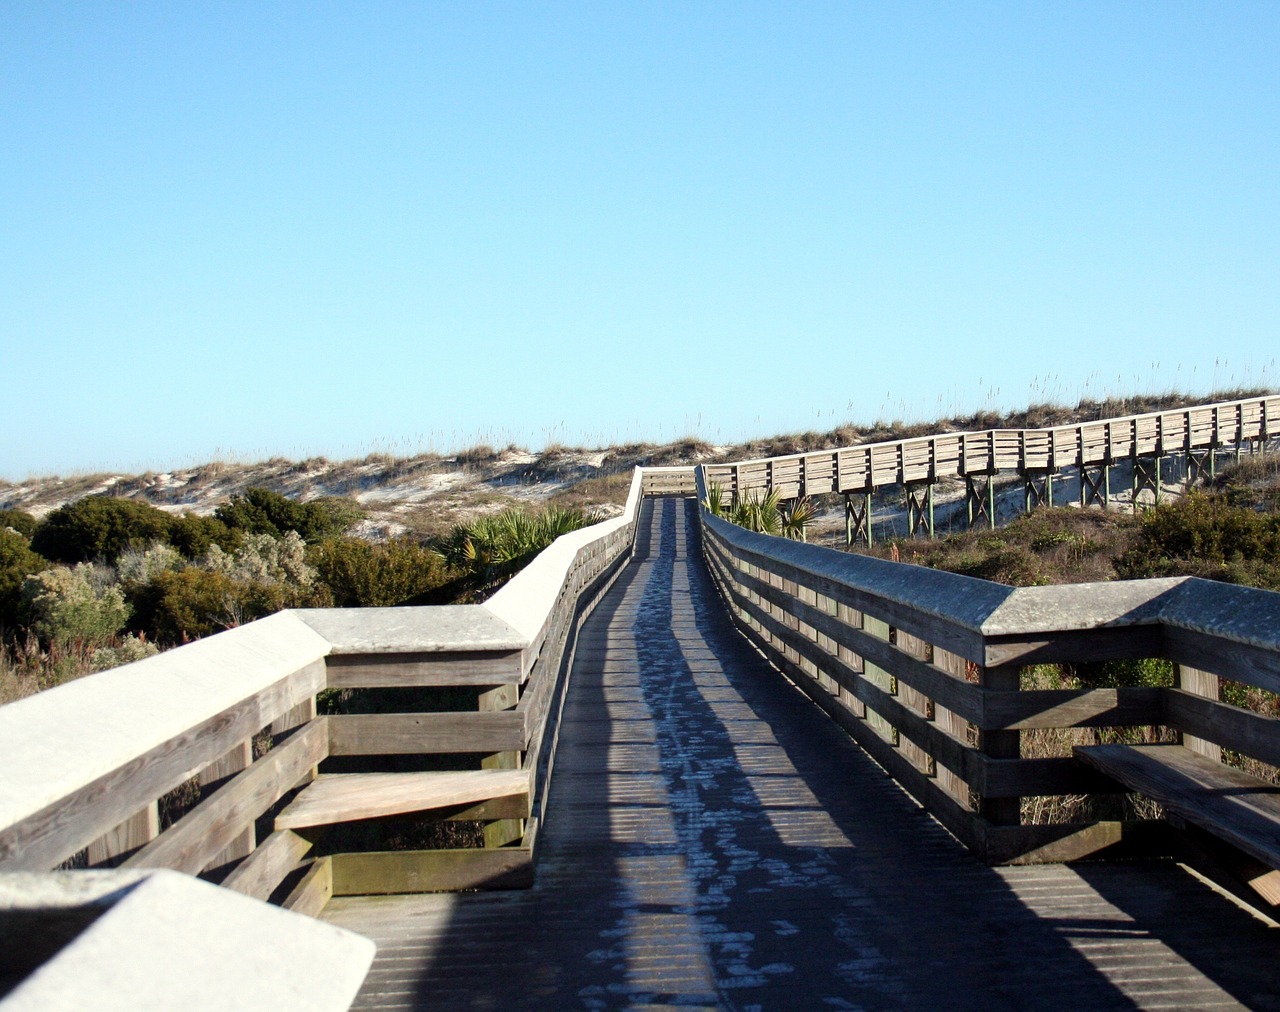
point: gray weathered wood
(425, 733)
(314, 890)
(348, 797)
(1233, 805)
(261, 872)
(195, 839)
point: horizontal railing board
(425, 733)
(195, 839)
(85, 730)
(949, 691)
(260, 874)
(1243, 730)
(369, 671)
(83, 813)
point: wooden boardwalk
(713, 840)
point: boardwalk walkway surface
(714, 841)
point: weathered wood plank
(348, 797)
(424, 871)
(425, 733)
(314, 891)
(259, 874)
(1231, 804)
(443, 668)
(198, 836)
(76, 819)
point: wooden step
(347, 797)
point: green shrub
(363, 575)
(99, 527)
(21, 521)
(77, 605)
(185, 604)
(194, 535)
(261, 511)
(17, 562)
(496, 546)
(1205, 535)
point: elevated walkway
(714, 840)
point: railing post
(1199, 683)
(1001, 744)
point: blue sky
(243, 230)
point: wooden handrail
(869, 466)
(922, 667)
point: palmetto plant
(497, 545)
(764, 512)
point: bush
(266, 560)
(129, 649)
(189, 603)
(364, 575)
(1205, 535)
(22, 522)
(77, 605)
(17, 562)
(99, 527)
(261, 511)
(194, 535)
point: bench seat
(348, 797)
(1221, 800)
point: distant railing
(865, 468)
(183, 760)
(924, 668)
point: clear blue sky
(245, 230)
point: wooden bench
(1222, 801)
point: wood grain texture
(261, 872)
(1233, 805)
(195, 839)
(348, 797)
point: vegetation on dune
(764, 512)
(119, 578)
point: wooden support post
(210, 777)
(1201, 683)
(980, 500)
(955, 725)
(920, 508)
(140, 828)
(1001, 745)
(880, 678)
(502, 831)
(1146, 477)
(1095, 486)
(857, 519)
(1038, 488)
(916, 701)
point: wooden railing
(183, 761)
(924, 669)
(863, 469)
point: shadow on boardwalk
(714, 841)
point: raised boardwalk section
(714, 840)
